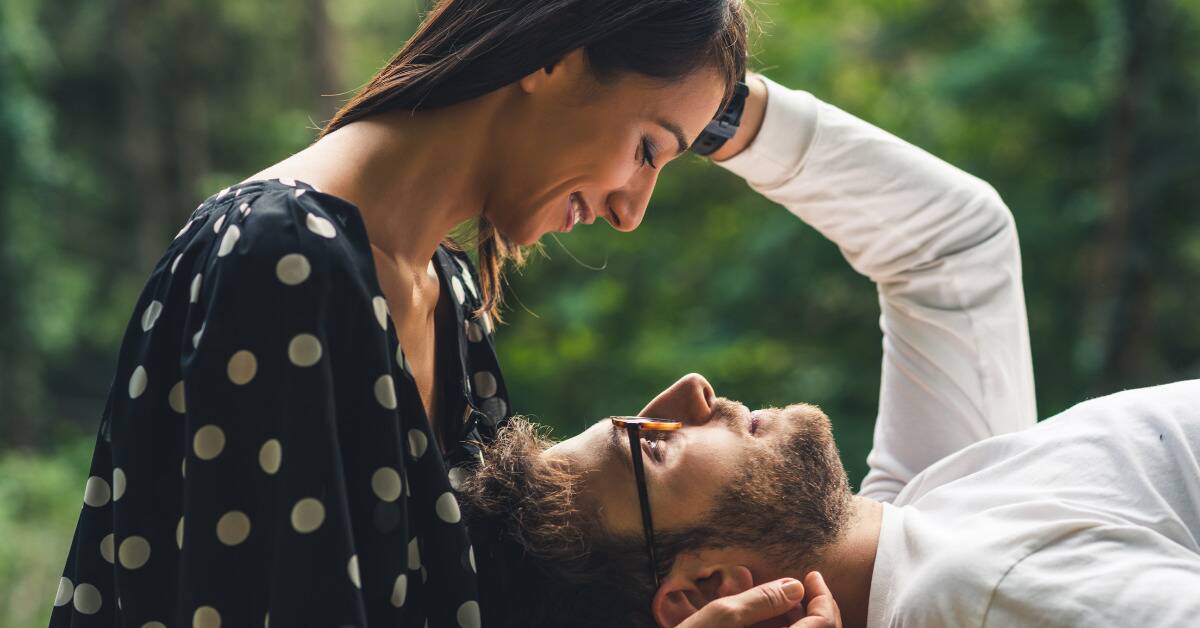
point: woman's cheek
(613, 174)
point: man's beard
(790, 502)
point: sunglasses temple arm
(639, 471)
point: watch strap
(725, 125)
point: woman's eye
(648, 151)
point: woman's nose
(689, 400)
(627, 206)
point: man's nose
(689, 400)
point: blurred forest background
(117, 118)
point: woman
(311, 357)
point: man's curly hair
(544, 559)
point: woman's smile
(577, 211)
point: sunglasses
(635, 426)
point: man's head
(737, 498)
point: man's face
(687, 470)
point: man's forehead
(591, 449)
(605, 483)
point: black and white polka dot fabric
(264, 457)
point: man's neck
(849, 564)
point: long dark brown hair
(466, 48)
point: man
(970, 515)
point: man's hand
(775, 603)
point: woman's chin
(523, 237)
(521, 234)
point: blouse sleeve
(942, 249)
(289, 345)
(269, 456)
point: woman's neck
(413, 176)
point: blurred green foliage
(40, 496)
(117, 118)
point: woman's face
(573, 149)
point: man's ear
(693, 582)
(572, 63)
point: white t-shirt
(999, 532)
(1091, 518)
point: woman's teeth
(574, 211)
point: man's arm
(942, 250)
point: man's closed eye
(655, 447)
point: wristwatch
(725, 125)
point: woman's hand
(775, 603)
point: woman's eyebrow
(672, 128)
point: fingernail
(793, 589)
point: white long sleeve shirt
(988, 519)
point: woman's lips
(577, 211)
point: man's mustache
(728, 411)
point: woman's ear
(534, 81)
(572, 63)
(694, 582)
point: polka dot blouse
(264, 456)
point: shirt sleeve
(942, 249)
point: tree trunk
(322, 61)
(1124, 259)
(141, 145)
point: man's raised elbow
(997, 221)
(995, 211)
(985, 211)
